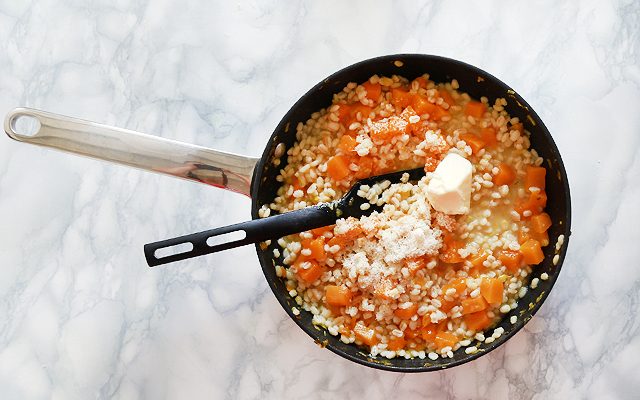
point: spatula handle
(228, 237)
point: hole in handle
(173, 250)
(25, 125)
(228, 237)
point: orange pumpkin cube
(338, 167)
(489, 136)
(337, 295)
(540, 223)
(477, 321)
(492, 290)
(510, 259)
(535, 177)
(311, 274)
(472, 305)
(532, 252)
(406, 313)
(445, 339)
(396, 343)
(505, 176)
(365, 334)
(373, 90)
(473, 141)
(475, 109)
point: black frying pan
(256, 177)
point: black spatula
(270, 228)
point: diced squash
(492, 290)
(335, 310)
(450, 254)
(472, 305)
(473, 141)
(396, 343)
(347, 144)
(365, 167)
(360, 112)
(338, 240)
(446, 97)
(505, 176)
(337, 295)
(422, 82)
(406, 313)
(373, 90)
(410, 333)
(428, 332)
(532, 252)
(447, 305)
(535, 177)
(345, 238)
(297, 185)
(459, 284)
(474, 272)
(387, 128)
(401, 98)
(344, 114)
(365, 334)
(477, 264)
(475, 109)
(438, 113)
(338, 167)
(310, 274)
(510, 259)
(489, 136)
(536, 203)
(540, 223)
(421, 105)
(317, 248)
(478, 260)
(477, 321)
(543, 237)
(445, 339)
(348, 113)
(322, 230)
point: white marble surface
(81, 316)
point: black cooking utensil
(271, 228)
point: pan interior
(473, 81)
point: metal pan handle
(122, 146)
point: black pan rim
(255, 185)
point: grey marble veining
(81, 316)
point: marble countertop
(81, 315)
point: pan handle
(122, 146)
(228, 237)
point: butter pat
(449, 190)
